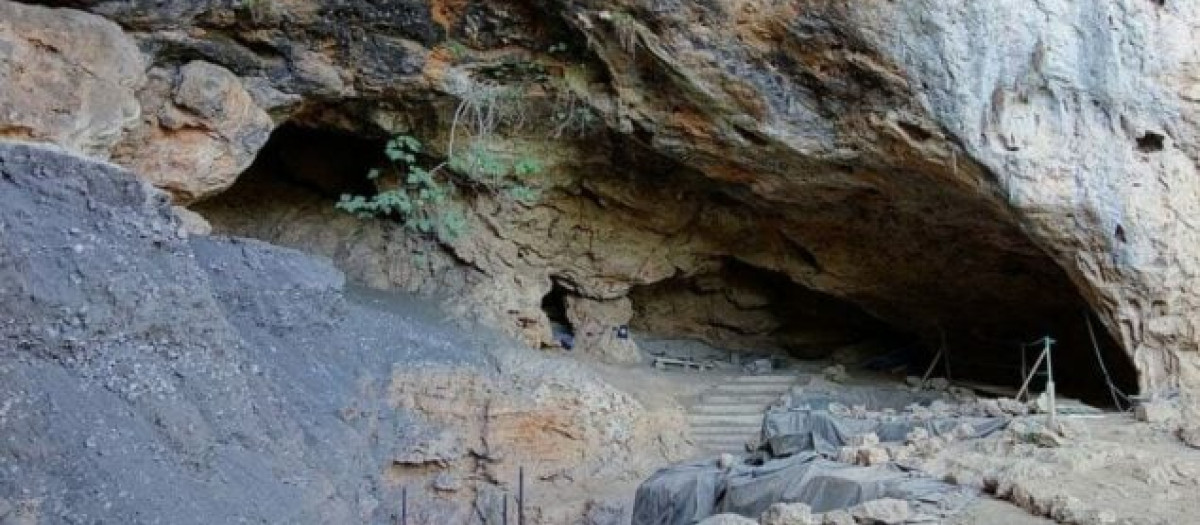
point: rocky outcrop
(976, 196)
(598, 328)
(151, 376)
(67, 77)
(200, 129)
(79, 81)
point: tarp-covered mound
(686, 494)
(819, 417)
(793, 431)
(796, 463)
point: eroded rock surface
(151, 376)
(974, 196)
(67, 77)
(200, 129)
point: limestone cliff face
(972, 174)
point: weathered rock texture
(146, 376)
(879, 153)
(67, 77)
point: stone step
(750, 388)
(713, 443)
(760, 399)
(767, 378)
(706, 431)
(742, 420)
(729, 408)
(732, 448)
(739, 442)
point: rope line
(1115, 392)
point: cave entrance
(326, 162)
(747, 309)
(554, 304)
(974, 286)
(743, 308)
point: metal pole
(521, 496)
(1028, 378)
(1050, 385)
(504, 515)
(929, 371)
(1024, 365)
(946, 360)
(404, 506)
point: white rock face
(1085, 119)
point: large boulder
(67, 77)
(77, 80)
(200, 130)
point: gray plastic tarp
(679, 495)
(689, 493)
(794, 431)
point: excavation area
(833, 356)
(914, 277)
(270, 385)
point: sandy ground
(989, 511)
(1110, 469)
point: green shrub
(421, 197)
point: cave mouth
(987, 298)
(554, 305)
(744, 308)
(327, 162)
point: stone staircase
(730, 414)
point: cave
(326, 162)
(745, 308)
(554, 305)
(867, 271)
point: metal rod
(1112, 389)
(521, 496)
(404, 506)
(504, 512)
(929, 371)
(946, 360)
(1024, 364)
(1028, 378)
(1050, 385)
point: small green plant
(485, 169)
(457, 50)
(418, 198)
